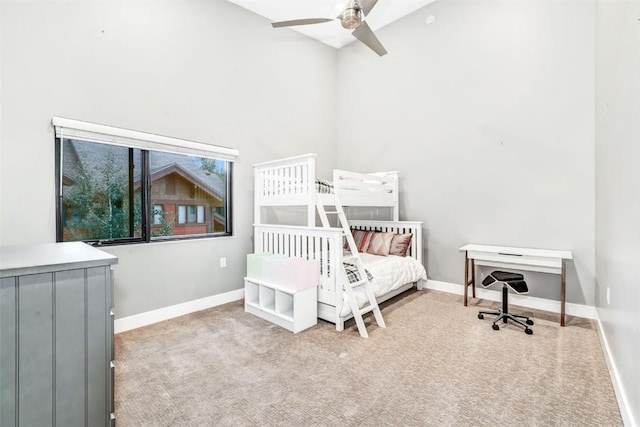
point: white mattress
(389, 273)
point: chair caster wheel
(528, 331)
(529, 322)
(496, 327)
(480, 316)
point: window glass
(200, 214)
(182, 214)
(191, 214)
(194, 185)
(157, 214)
(100, 192)
(104, 190)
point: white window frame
(76, 129)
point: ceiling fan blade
(366, 36)
(300, 22)
(367, 5)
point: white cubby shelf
(293, 309)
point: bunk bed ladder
(372, 305)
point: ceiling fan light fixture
(351, 18)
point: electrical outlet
(608, 295)
(223, 262)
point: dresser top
(48, 257)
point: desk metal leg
(563, 292)
(468, 282)
(473, 277)
(466, 277)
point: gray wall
(207, 71)
(488, 115)
(617, 191)
(493, 101)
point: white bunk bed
(292, 182)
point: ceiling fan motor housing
(351, 18)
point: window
(113, 188)
(158, 214)
(182, 214)
(99, 201)
(191, 215)
(200, 214)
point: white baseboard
(578, 310)
(621, 395)
(165, 313)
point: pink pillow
(380, 243)
(400, 244)
(362, 238)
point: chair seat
(518, 286)
(505, 276)
(515, 281)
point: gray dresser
(56, 335)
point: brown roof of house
(95, 158)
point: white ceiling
(331, 33)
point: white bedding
(389, 273)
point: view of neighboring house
(187, 193)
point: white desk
(541, 260)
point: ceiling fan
(351, 18)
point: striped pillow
(380, 243)
(362, 238)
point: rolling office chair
(516, 282)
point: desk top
(509, 250)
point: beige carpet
(436, 364)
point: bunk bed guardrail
(311, 243)
(326, 246)
(292, 181)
